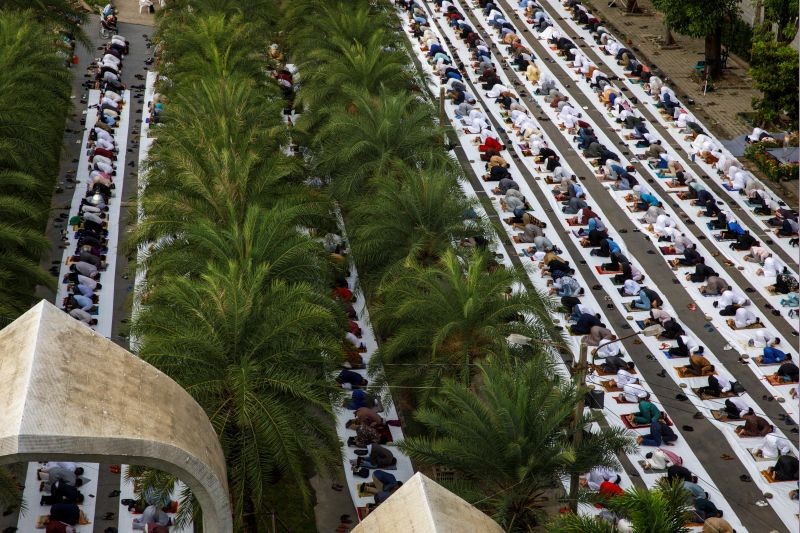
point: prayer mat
(729, 187)
(642, 463)
(758, 360)
(722, 416)
(610, 386)
(684, 373)
(600, 372)
(632, 209)
(770, 476)
(362, 512)
(629, 306)
(628, 421)
(386, 433)
(718, 236)
(760, 459)
(729, 394)
(732, 324)
(674, 184)
(670, 356)
(640, 323)
(775, 380)
(668, 250)
(600, 270)
(548, 180)
(574, 224)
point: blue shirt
(734, 227)
(613, 246)
(648, 198)
(84, 302)
(772, 355)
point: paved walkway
(645, 32)
(128, 11)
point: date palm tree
(256, 355)
(662, 509)
(33, 104)
(449, 316)
(377, 139)
(510, 442)
(209, 47)
(413, 220)
(343, 69)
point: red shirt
(609, 490)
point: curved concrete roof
(69, 393)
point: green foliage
(737, 36)
(236, 306)
(510, 442)
(421, 218)
(783, 13)
(449, 316)
(10, 493)
(376, 139)
(663, 509)
(774, 169)
(34, 99)
(696, 18)
(774, 69)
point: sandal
(726, 457)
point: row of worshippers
(515, 202)
(784, 220)
(59, 483)
(91, 222)
(605, 482)
(371, 432)
(571, 193)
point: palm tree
(33, 104)
(215, 157)
(446, 317)
(510, 442)
(266, 238)
(58, 14)
(10, 492)
(256, 357)
(343, 69)
(662, 509)
(210, 47)
(377, 138)
(316, 25)
(415, 220)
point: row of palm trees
(236, 306)
(500, 418)
(34, 101)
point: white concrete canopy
(423, 506)
(69, 393)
